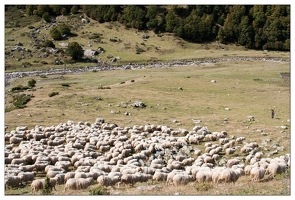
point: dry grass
(246, 87)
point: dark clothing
(272, 113)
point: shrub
(43, 76)
(52, 94)
(20, 101)
(44, 62)
(103, 87)
(46, 190)
(65, 84)
(32, 83)
(20, 88)
(99, 191)
(48, 43)
(203, 186)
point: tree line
(253, 26)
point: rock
(213, 81)
(227, 109)
(138, 104)
(99, 120)
(284, 127)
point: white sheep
(204, 176)
(182, 179)
(13, 181)
(37, 185)
(257, 173)
(160, 176)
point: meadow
(179, 97)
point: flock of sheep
(83, 154)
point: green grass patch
(99, 190)
(20, 101)
(51, 94)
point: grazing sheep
(27, 176)
(71, 184)
(104, 181)
(13, 181)
(230, 151)
(232, 162)
(182, 179)
(37, 185)
(69, 175)
(160, 176)
(257, 173)
(228, 175)
(275, 168)
(204, 176)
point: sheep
(27, 168)
(239, 140)
(37, 185)
(204, 176)
(232, 162)
(228, 175)
(215, 173)
(71, 184)
(258, 155)
(230, 151)
(18, 161)
(60, 178)
(27, 176)
(223, 140)
(182, 179)
(128, 179)
(53, 173)
(275, 168)
(257, 173)
(15, 140)
(13, 181)
(53, 182)
(160, 176)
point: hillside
(57, 107)
(111, 43)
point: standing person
(272, 113)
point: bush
(52, 94)
(46, 190)
(48, 43)
(20, 88)
(203, 186)
(103, 87)
(20, 101)
(43, 76)
(65, 84)
(32, 83)
(99, 191)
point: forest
(265, 27)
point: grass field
(242, 89)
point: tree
(32, 83)
(74, 50)
(29, 10)
(134, 16)
(55, 34)
(48, 43)
(64, 11)
(64, 29)
(74, 9)
(46, 17)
